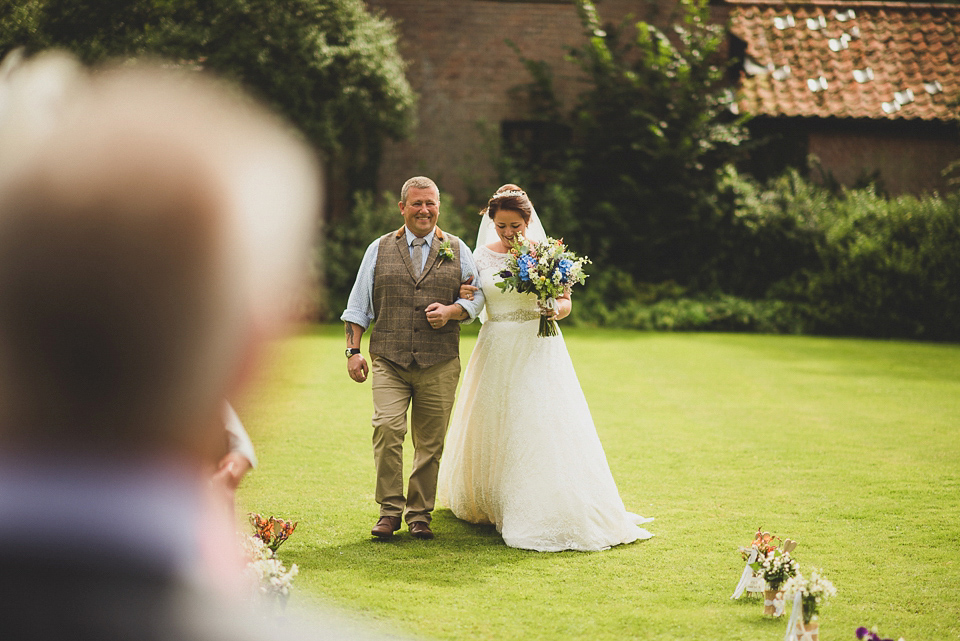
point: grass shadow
(461, 552)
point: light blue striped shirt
(360, 304)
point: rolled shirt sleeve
(237, 436)
(360, 304)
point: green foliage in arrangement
(330, 66)
(847, 446)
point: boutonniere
(446, 251)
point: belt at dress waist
(516, 316)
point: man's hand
(466, 289)
(438, 314)
(357, 368)
(356, 365)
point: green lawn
(850, 447)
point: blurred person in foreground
(154, 229)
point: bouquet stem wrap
(548, 326)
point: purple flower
(867, 635)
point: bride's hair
(510, 197)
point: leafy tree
(329, 65)
(648, 142)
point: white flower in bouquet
(268, 573)
(814, 592)
(775, 568)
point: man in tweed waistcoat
(409, 284)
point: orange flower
(273, 531)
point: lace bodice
(500, 306)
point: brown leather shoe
(386, 526)
(420, 530)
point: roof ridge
(879, 4)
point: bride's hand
(561, 309)
(545, 310)
(466, 289)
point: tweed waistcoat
(401, 333)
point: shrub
(887, 268)
(332, 67)
(648, 139)
(857, 262)
(800, 258)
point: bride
(522, 451)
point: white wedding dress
(522, 451)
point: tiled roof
(878, 60)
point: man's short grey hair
(151, 222)
(420, 182)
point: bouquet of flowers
(546, 269)
(775, 567)
(763, 542)
(273, 531)
(814, 592)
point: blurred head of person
(155, 228)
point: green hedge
(887, 268)
(789, 257)
(794, 257)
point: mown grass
(849, 446)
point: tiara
(509, 193)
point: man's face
(421, 210)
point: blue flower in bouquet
(564, 267)
(524, 264)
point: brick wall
(462, 69)
(908, 162)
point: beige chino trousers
(429, 392)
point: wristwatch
(351, 351)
